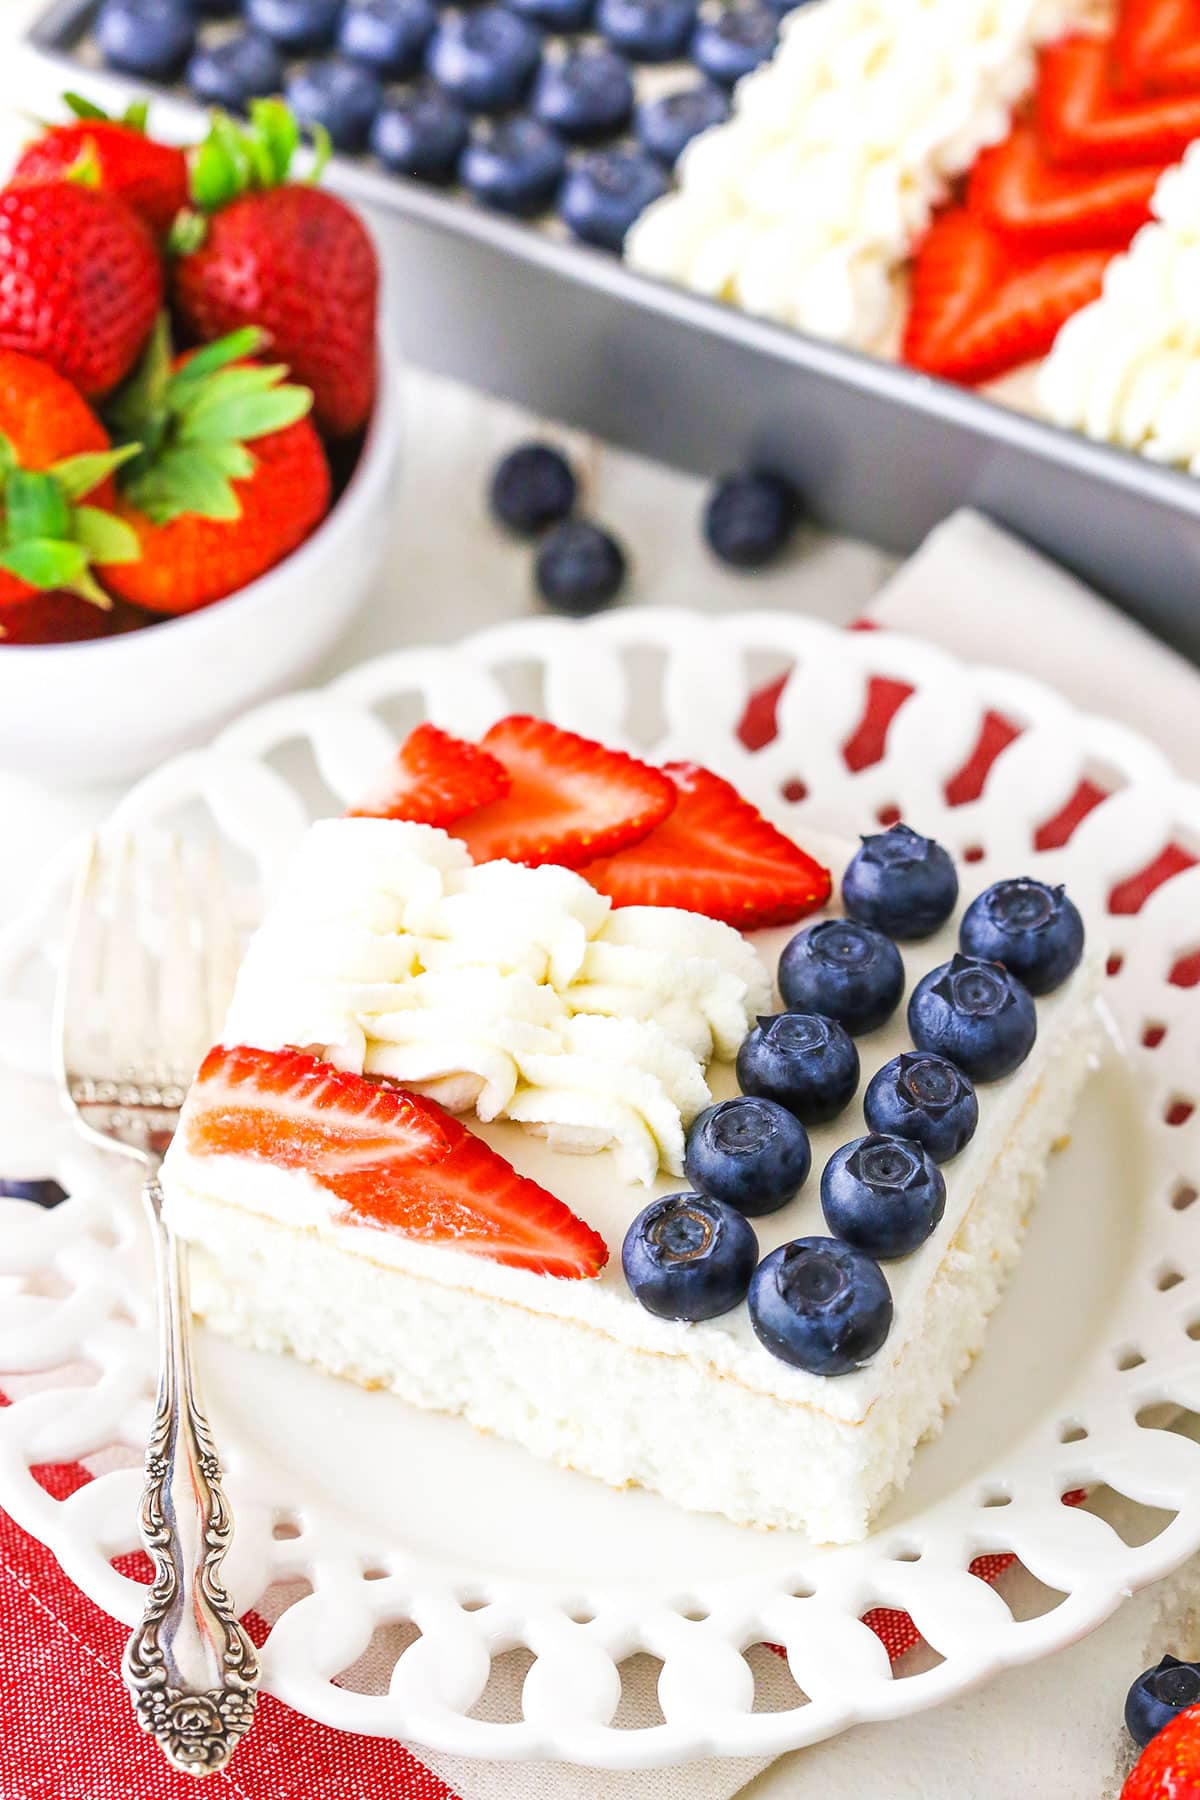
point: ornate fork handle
(190, 1666)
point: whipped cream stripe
(512, 992)
(1126, 369)
(801, 207)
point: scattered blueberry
(532, 487)
(422, 133)
(145, 37)
(485, 59)
(901, 883)
(514, 166)
(882, 1194)
(214, 9)
(975, 1013)
(847, 971)
(748, 518)
(294, 24)
(1033, 929)
(731, 41)
(586, 94)
(606, 191)
(804, 1061)
(235, 71)
(342, 96)
(579, 568)
(820, 1305)
(388, 35)
(689, 1257)
(45, 1193)
(924, 1097)
(748, 1152)
(652, 31)
(1158, 1695)
(555, 15)
(666, 125)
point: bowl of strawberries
(199, 435)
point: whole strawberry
(80, 281)
(263, 250)
(112, 154)
(1169, 1766)
(56, 472)
(231, 477)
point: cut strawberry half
(979, 307)
(1085, 123)
(717, 855)
(434, 779)
(570, 801)
(1156, 47)
(1040, 206)
(391, 1158)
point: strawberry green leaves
(193, 423)
(235, 159)
(49, 541)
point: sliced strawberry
(434, 779)
(391, 1158)
(717, 855)
(1085, 123)
(1039, 205)
(978, 306)
(475, 1201)
(571, 799)
(1156, 47)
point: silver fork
(150, 962)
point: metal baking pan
(878, 450)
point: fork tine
(77, 1001)
(128, 975)
(221, 942)
(181, 1007)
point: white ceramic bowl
(108, 709)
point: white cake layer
(610, 1405)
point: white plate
(486, 1549)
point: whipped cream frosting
(802, 206)
(512, 992)
(1126, 369)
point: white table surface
(1050, 1730)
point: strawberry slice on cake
(392, 1159)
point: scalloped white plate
(395, 1517)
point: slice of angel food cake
(535, 1106)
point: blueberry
(514, 166)
(807, 1063)
(1034, 930)
(688, 1257)
(666, 125)
(294, 24)
(730, 42)
(214, 9)
(605, 192)
(388, 35)
(977, 1014)
(145, 37)
(421, 134)
(650, 31)
(342, 96)
(847, 971)
(45, 1192)
(748, 518)
(901, 883)
(533, 487)
(235, 71)
(921, 1096)
(555, 15)
(820, 1305)
(1158, 1695)
(586, 94)
(485, 59)
(882, 1194)
(579, 568)
(748, 1152)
